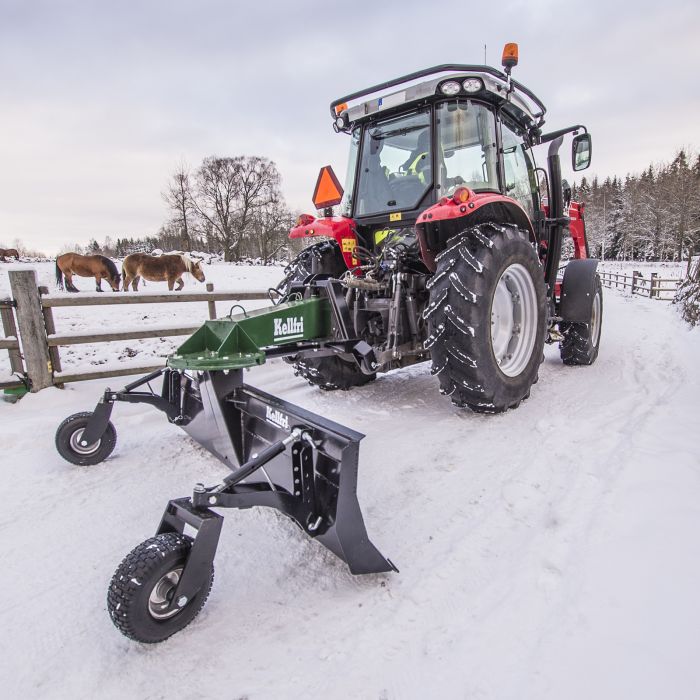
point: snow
(549, 552)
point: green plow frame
(245, 340)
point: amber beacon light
(510, 56)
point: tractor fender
(341, 228)
(577, 290)
(443, 220)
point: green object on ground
(15, 394)
(235, 342)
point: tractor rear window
(395, 165)
(468, 154)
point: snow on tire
(487, 317)
(142, 587)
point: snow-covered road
(550, 552)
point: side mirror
(581, 150)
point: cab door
(519, 178)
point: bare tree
(178, 197)
(230, 192)
(270, 228)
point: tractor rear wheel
(582, 340)
(331, 372)
(487, 318)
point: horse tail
(59, 276)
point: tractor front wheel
(581, 341)
(486, 317)
(143, 587)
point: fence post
(211, 304)
(10, 329)
(653, 289)
(32, 331)
(50, 330)
(635, 274)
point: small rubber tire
(68, 435)
(459, 316)
(136, 580)
(581, 341)
(331, 372)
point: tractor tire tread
(458, 323)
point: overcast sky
(100, 100)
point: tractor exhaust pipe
(556, 213)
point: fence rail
(653, 288)
(39, 361)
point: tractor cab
(430, 149)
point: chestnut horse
(97, 266)
(8, 253)
(163, 268)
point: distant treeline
(230, 206)
(654, 215)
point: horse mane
(189, 263)
(110, 266)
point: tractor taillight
(305, 220)
(461, 195)
(341, 108)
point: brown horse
(163, 268)
(8, 253)
(97, 266)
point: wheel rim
(514, 320)
(76, 446)
(596, 317)
(162, 594)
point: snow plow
(446, 246)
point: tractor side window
(468, 153)
(518, 171)
(395, 165)
(346, 203)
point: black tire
(331, 372)
(459, 316)
(139, 587)
(68, 437)
(582, 340)
(323, 258)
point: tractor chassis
(281, 456)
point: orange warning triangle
(328, 191)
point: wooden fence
(30, 311)
(654, 288)
(11, 343)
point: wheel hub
(162, 594)
(76, 443)
(514, 320)
(595, 319)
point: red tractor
(448, 239)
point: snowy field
(548, 553)
(666, 270)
